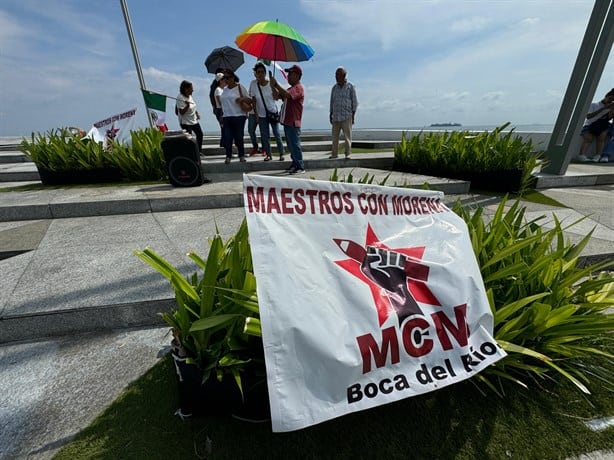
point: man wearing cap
(291, 114)
(343, 104)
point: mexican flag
(156, 106)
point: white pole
(135, 54)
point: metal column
(592, 58)
(135, 55)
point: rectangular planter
(79, 176)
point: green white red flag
(156, 108)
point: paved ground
(73, 287)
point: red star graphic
(416, 272)
(112, 132)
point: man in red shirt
(291, 114)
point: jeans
(233, 131)
(293, 139)
(197, 130)
(251, 129)
(265, 136)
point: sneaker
(297, 171)
(281, 158)
(292, 170)
(227, 160)
(332, 157)
(604, 159)
(206, 180)
(253, 152)
(347, 156)
(595, 159)
(268, 158)
(242, 159)
(582, 158)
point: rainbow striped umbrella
(275, 41)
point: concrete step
(212, 148)
(225, 191)
(212, 164)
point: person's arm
(281, 93)
(330, 110)
(594, 114)
(185, 109)
(354, 103)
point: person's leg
(227, 138)
(220, 121)
(199, 137)
(346, 126)
(293, 138)
(336, 129)
(290, 143)
(238, 131)
(280, 144)
(601, 140)
(587, 141)
(263, 126)
(251, 129)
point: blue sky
(69, 63)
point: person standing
(291, 114)
(264, 103)
(343, 105)
(187, 113)
(217, 109)
(233, 97)
(596, 126)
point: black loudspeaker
(182, 159)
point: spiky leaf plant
(213, 308)
(550, 313)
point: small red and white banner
(114, 129)
(367, 295)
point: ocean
(531, 128)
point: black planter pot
(214, 397)
(507, 180)
(210, 397)
(79, 176)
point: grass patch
(457, 422)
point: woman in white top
(263, 101)
(187, 113)
(232, 98)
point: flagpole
(135, 54)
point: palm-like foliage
(460, 154)
(61, 150)
(211, 311)
(549, 313)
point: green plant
(143, 159)
(62, 150)
(461, 154)
(366, 179)
(215, 309)
(549, 313)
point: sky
(413, 63)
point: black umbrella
(225, 57)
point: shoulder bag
(272, 117)
(245, 106)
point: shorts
(596, 127)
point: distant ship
(443, 125)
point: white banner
(367, 295)
(115, 128)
